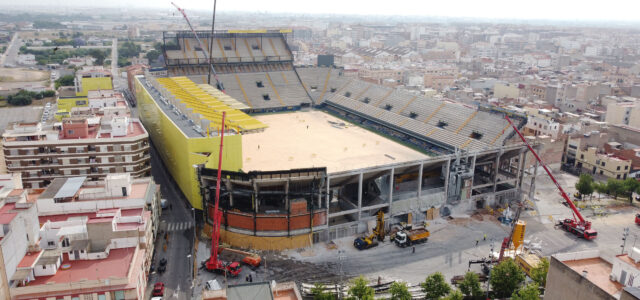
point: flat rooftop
(598, 271)
(308, 139)
(115, 265)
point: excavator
(577, 226)
(370, 241)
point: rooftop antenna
(202, 48)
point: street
(178, 223)
(10, 55)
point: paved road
(178, 223)
(10, 55)
(66, 47)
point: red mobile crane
(579, 227)
(213, 263)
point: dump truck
(410, 236)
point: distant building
(624, 113)
(27, 59)
(510, 91)
(590, 275)
(92, 146)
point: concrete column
(523, 167)
(473, 170)
(319, 196)
(255, 197)
(495, 172)
(287, 204)
(227, 182)
(532, 187)
(391, 187)
(420, 180)
(328, 190)
(359, 195)
(446, 179)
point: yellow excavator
(370, 241)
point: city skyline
(572, 10)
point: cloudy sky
(594, 10)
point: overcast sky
(594, 10)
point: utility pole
(625, 234)
(490, 264)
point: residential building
(586, 154)
(92, 146)
(591, 275)
(86, 225)
(624, 113)
(19, 223)
(501, 90)
(256, 290)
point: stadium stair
(244, 93)
(274, 89)
(384, 97)
(500, 134)
(466, 121)
(434, 112)
(407, 105)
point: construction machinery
(577, 226)
(637, 219)
(214, 264)
(251, 259)
(371, 240)
(410, 235)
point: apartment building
(91, 146)
(593, 275)
(586, 153)
(623, 113)
(92, 240)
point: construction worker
(413, 250)
(485, 237)
(477, 241)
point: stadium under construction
(338, 150)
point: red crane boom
(580, 227)
(214, 264)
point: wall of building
(505, 91)
(565, 283)
(4, 284)
(263, 243)
(181, 153)
(602, 164)
(95, 83)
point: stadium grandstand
(255, 66)
(344, 149)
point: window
(603, 164)
(581, 156)
(51, 243)
(44, 267)
(70, 131)
(601, 172)
(626, 167)
(618, 168)
(618, 177)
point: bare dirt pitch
(22, 75)
(315, 139)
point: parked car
(158, 289)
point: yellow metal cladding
(66, 104)
(209, 106)
(181, 153)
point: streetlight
(490, 264)
(193, 213)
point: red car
(158, 289)
(637, 219)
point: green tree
(454, 295)
(399, 291)
(585, 185)
(434, 286)
(614, 187)
(158, 46)
(99, 55)
(506, 277)
(600, 188)
(128, 49)
(630, 185)
(360, 289)
(49, 93)
(66, 80)
(527, 292)
(539, 273)
(319, 293)
(470, 285)
(152, 55)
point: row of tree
(25, 97)
(49, 56)
(506, 280)
(614, 187)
